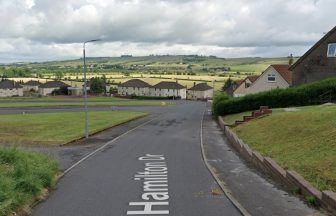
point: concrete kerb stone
(329, 200)
(306, 188)
(290, 179)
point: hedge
(308, 94)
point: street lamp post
(86, 130)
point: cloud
(46, 29)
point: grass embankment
(18, 102)
(57, 128)
(303, 140)
(23, 176)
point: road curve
(156, 169)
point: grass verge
(303, 140)
(18, 102)
(23, 176)
(57, 128)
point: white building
(169, 89)
(9, 88)
(134, 87)
(31, 85)
(201, 91)
(48, 87)
(274, 77)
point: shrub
(308, 94)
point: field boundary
(290, 179)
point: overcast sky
(38, 30)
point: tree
(97, 85)
(228, 83)
(59, 75)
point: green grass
(57, 128)
(304, 141)
(23, 176)
(18, 102)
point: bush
(308, 94)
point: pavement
(258, 194)
(155, 166)
(105, 183)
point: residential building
(135, 87)
(169, 89)
(200, 91)
(31, 85)
(235, 84)
(318, 63)
(10, 88)
(275, 76)
(48, 87)
(243, 88)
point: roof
(9, 84)
(238, 82)
(168, 85)
(332, 31)
(32, 83)
(200, 87)
(284, 71)
(135, 83)
(252, 78)
(53, 84)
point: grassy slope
(304, 141)
(69, 101)
(23, 175)
(57, 128)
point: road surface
(156, 169)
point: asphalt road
(177, 181)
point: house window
(332, 50)
(247, 85)
(271, 78)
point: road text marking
(155, 187)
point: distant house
(48, 87)
(10, 88)
(275, 76)
(135, 87)
(200, 91)
(243, 88)
(318, 63)
(169, 89)
(31, 85)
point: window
(271, 78)
(331, 50)
(247, 85)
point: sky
(43, 30)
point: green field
(23, 176)
(57, 128)
(152, 69)
(16, 102)
(302, 140)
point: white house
(48, 87)
(10, 88)
(31, 85)
(243, 87)
(135, 87)
(274, 77)
(200, 91)
(169, 89)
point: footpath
(256, 193)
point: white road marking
(155, 187)
(102, 147)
